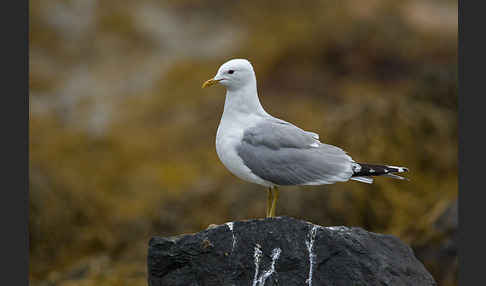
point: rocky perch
(283, 251)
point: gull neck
(243, 100)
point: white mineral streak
(257, 255)
(310, 245)
(260, 281)
(275, 255)
(337, 228)
(230, 226)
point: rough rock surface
(283, 251)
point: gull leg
(269, 201)
(274, 202)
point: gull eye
(231, 71)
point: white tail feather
(395, 177)
(400, 169)
(367, 180)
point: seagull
(265, 150)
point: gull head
(233, 74)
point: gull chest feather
(228, 137)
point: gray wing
(284, 154)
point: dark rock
(283, 251)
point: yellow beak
(210, 82)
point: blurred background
(122, 137)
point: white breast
(229, 135)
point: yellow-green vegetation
(122, 136)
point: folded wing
(284, 154)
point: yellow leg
(269, 201)
(274, 202)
